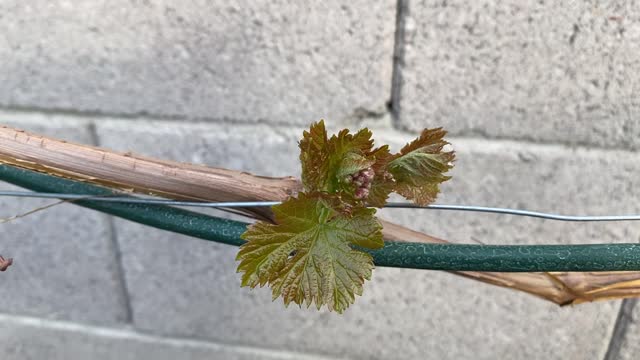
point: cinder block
(266, 61)
(30, 338)
(404, 313)
(64, 261)
(563, 72)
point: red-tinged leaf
(314, 157)
(330, 164)
(420, 167)
(383, 183)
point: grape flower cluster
(362, 180)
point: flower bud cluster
(362, 181)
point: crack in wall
(115, 248)
(620, 329)
(393, 106)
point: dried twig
(14, 217)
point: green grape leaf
(419, 168)
(309, 255)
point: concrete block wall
(540, 99)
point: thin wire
(403, 205)
(528, 213)
(134, 200)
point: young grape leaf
(308, 256)
(314, 157)
(352, 163)
(329, 164)
(418, 169)
(383, 183)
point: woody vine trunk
(181, 181)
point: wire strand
(400, 205)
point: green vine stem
(451, 257)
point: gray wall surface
(541, 99)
